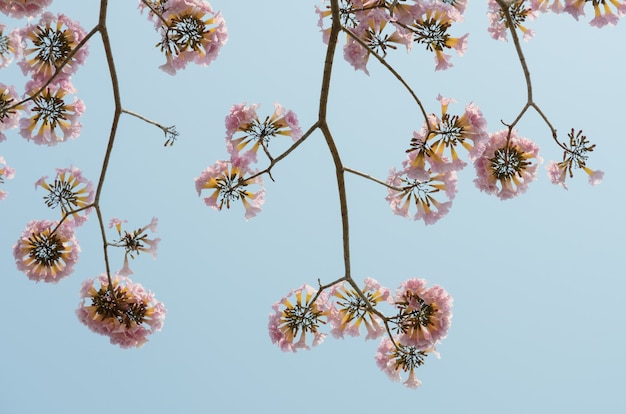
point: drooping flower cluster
(190, 31)
(378, 26)
(6, 173)
(575, 155)
(507, 165)
(47, 250)
(422, 319)
(124, 311)
(246, 133)
(135, 242)
(71, 192)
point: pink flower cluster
(422, 319)
(124, 311)
(377, 27)
(246, 133)
(19, 9)
(134, 242)
(190, 31)
(605, 13)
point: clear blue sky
(538, 320)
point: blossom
(430, 28)
(135, 242)
(603, 14)
(9, 115)
(543, 5)
(124, 311)
(46, 251)
(54, 114)
(416, 184)
(70, 191)
(47, 44)
(6, 172)
(519, 12)
(446, 134)
(254, 133)
(575, 155)
(349, 310)
(506, 165)
(9, 46)
(226, 180)
(393, 359)
(19, 9)
(304, 316)
(191, 32)
(424, 313)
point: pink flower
(125, 312)
(70, 191)
(422, 187)
(394, 359)
(557, 173)
(519, 11)
(603, 14)
(304, 316)
(53, 114)
(506, 168)
(6, 172)
(192, 32)
(424, 313)
(46, 251)
(19, 9)
(9, 115)
(254, 133)
(349, 310)
(9, 46)
(135, 242)
(226, 181)
(48, 43)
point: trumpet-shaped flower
(506, 166)
(424, 313)
(70, 191)
(48, 44)
(190, 32)
(19, 9)
(55, 117)
(416, 184)
(228, 184)
(124, 311)
(393, 359)
(252, 133)
(288, 320)
(135, 242)
(9, 115)
(7, 173)
(350, 311)
(603, 14)
(46, 251)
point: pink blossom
(126, 313)
(557, 173)
(394, 360)
(356, 55)
(9, 118)
(228, 184)
(193, 33)
(595, 177)
(70, 191)
(19, 9)
(349, 311)
(497, 22)
(135, 242)
(46, 251)
(10, 45)
(304, 316)
(424, 313)
(506, 169)
(46, 125)
(48, 43)
(7, 173)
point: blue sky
(537, 280)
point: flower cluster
(49, 52)
(122, 310)
(574, 156)
(70, 191)
(606, 12)
(422, 319)
(190, 31)
(379, 26)
(7, 173)
(135, 242)
(246, 133)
